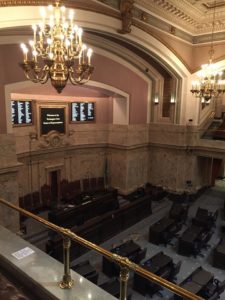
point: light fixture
(57, 51)
(210, 83)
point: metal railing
(125, 264)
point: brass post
(67, 281)
(124, 276)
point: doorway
(54, 179)
(217, 166)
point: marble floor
(211, 199)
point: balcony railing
(125, 264)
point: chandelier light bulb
(50, 7)
(42, 12)
(31, 43)
(71, 14)
(63, 9)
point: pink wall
(2, 97)
(114, 74)
(106, 71)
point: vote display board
(52, 118)
(82, 111)
(21, 112)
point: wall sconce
(156, 100)
(172, 100)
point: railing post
(124, 276)
(67, 281)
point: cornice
(90, 5)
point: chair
(93, 277)
(141, 255)
(215, 216)
(221, 287)
(175, 271)
(83, 263)
(197, 249)
(214, 297)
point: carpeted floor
(211, 199)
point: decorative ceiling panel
(193, 16)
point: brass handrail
(124, 262)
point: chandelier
(210, 83)
(57, 51)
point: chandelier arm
(83, 73)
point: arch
(24, 16)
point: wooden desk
(187, 240)
(197, 282)
(219, 255)
(103, 227)
(113, 288)
(191, 287)
(86, 270)
(158, 230)
(90, 207)
(129, 249)
(158, 264)
(202, 277)
(204, 218)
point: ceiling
(192, 16)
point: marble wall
(135, 154)
(8, 181)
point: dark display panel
(52, 118)
(82, 112)
(21, 112)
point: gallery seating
(219, 133)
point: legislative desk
(128, 249)
(192, 240)
(161, 265)
(113, 287)
(86, 270)
(219, 255)
(102, 227)
(204, 218)
(69, 215)
(163, 230)
(197, 283)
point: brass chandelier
(57, 51)
(210, 82)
